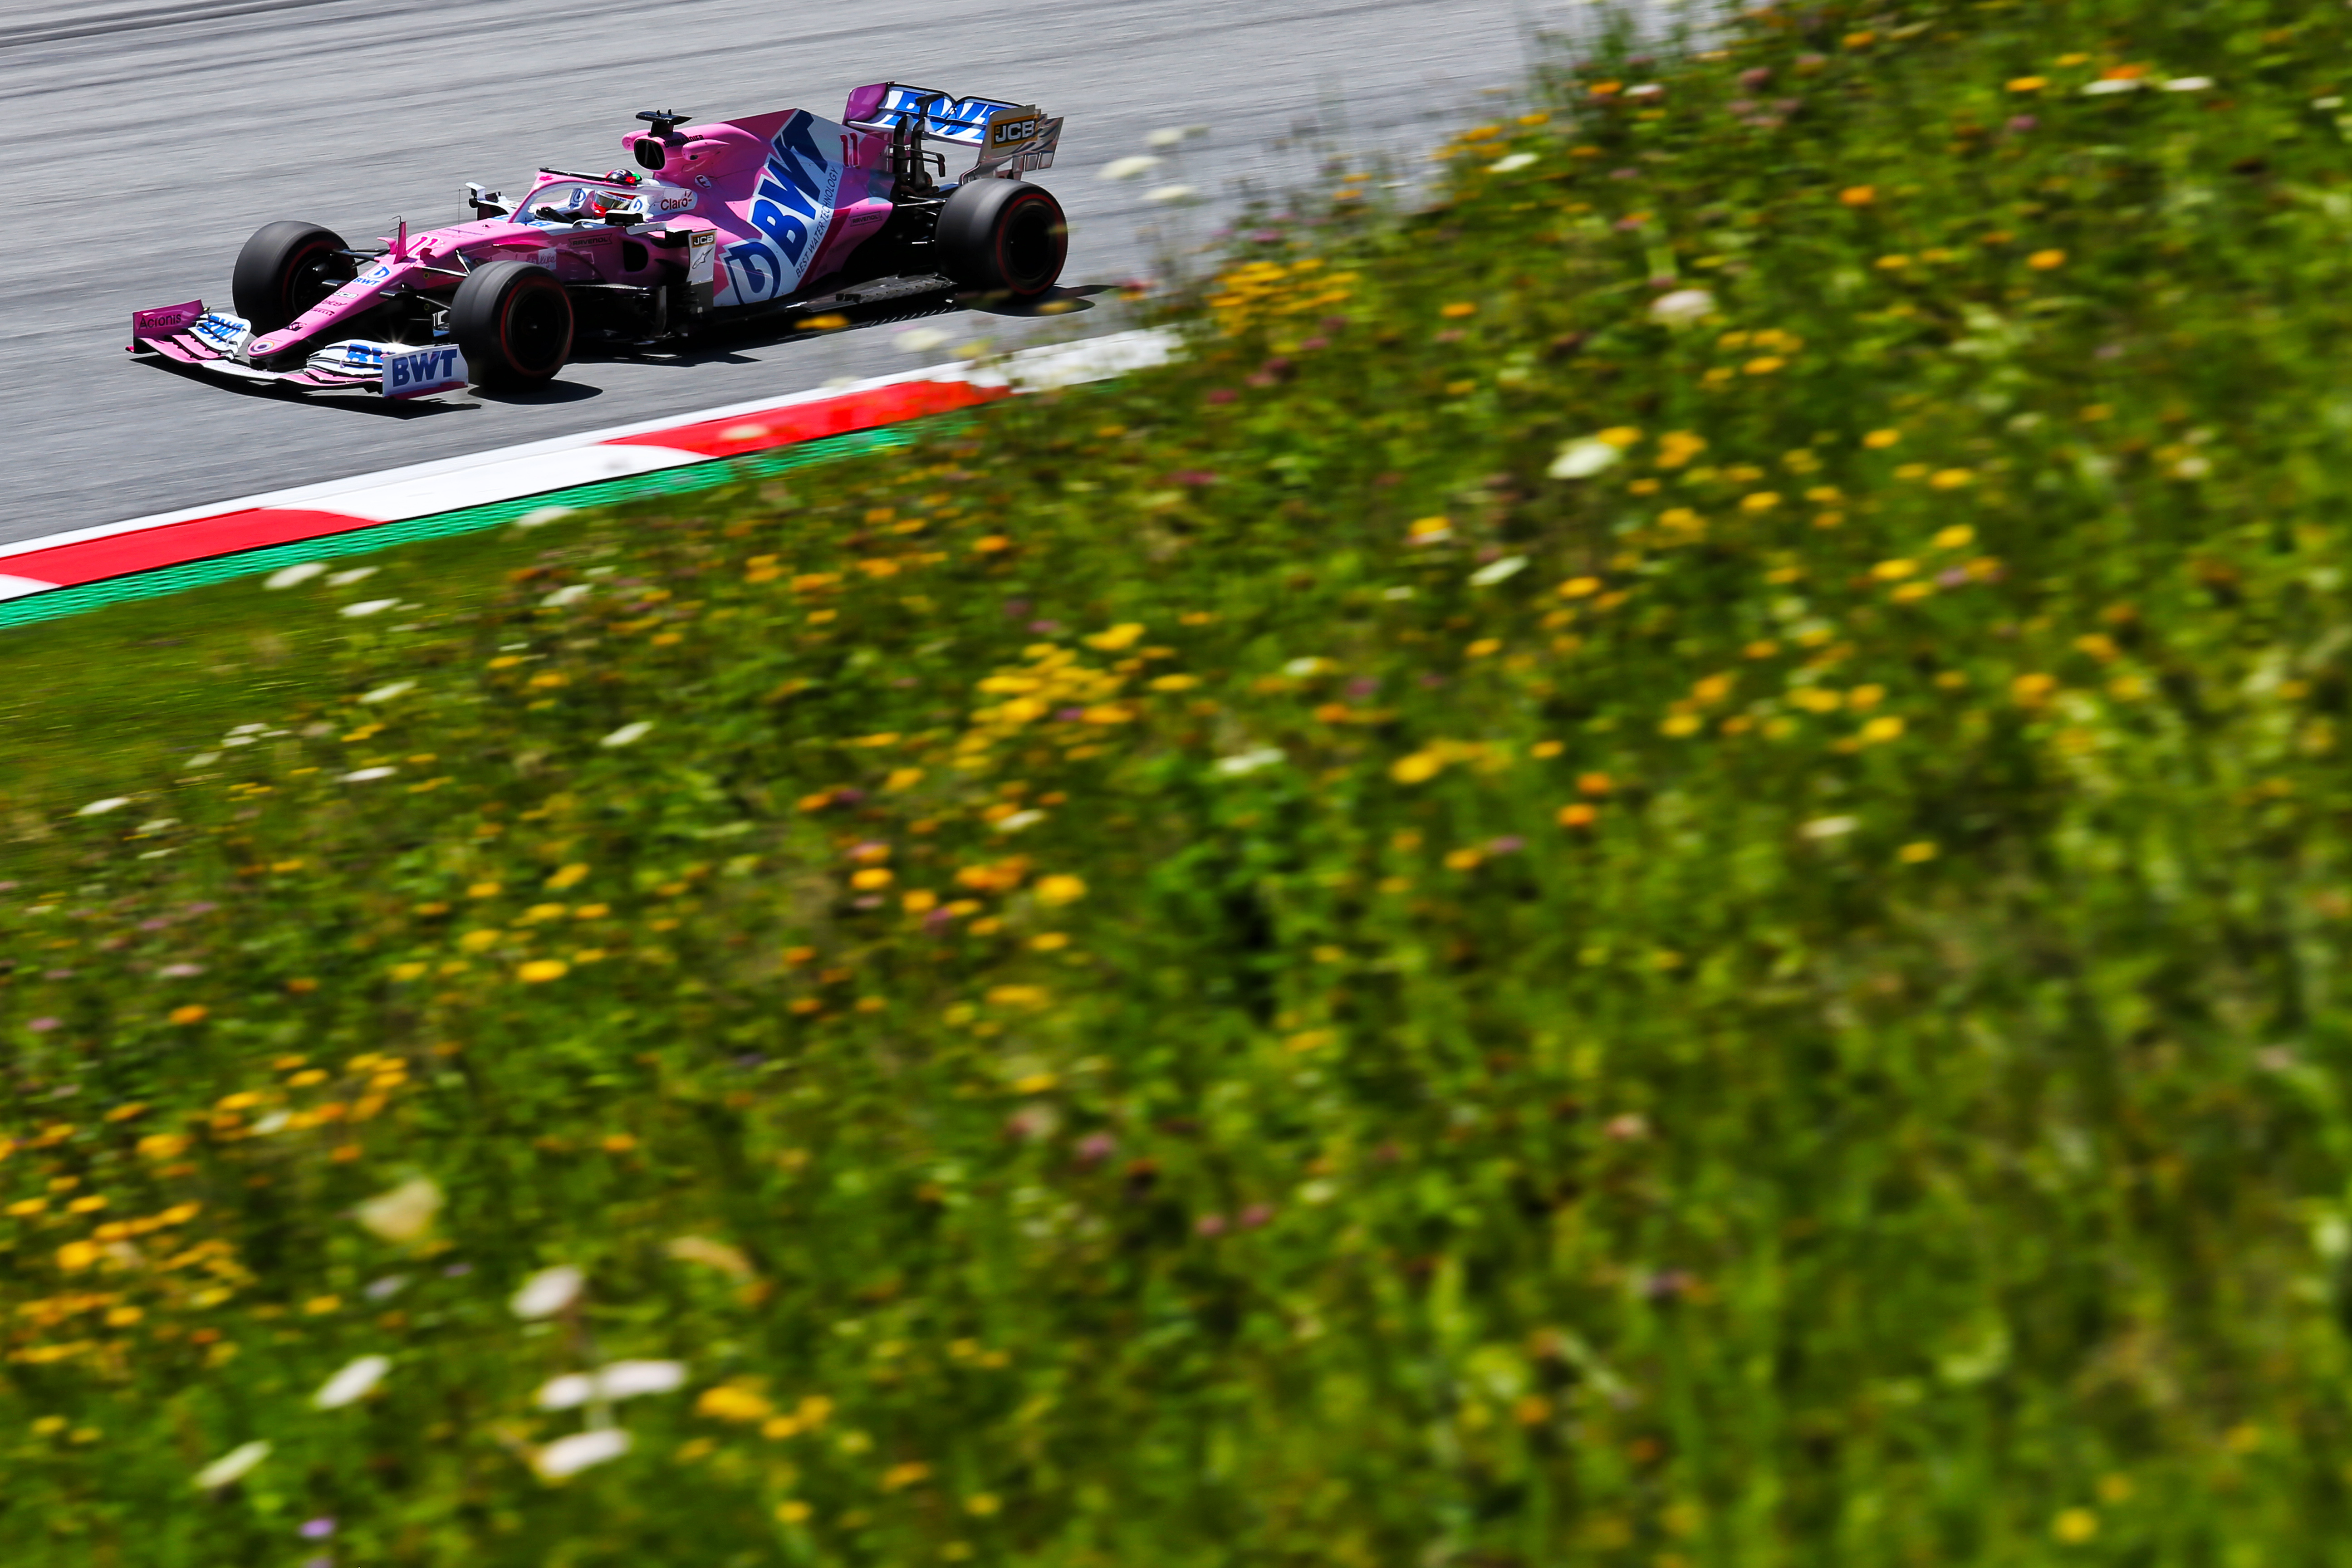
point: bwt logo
(409, 374)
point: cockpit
(564, 204)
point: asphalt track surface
(149, 139)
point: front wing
(210, 340)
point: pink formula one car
(778, 215)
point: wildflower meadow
(1649, 870)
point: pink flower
(1210, 1224)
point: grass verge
(1652, 871)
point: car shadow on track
(1055, 302)
(349, 403)
(545, 392)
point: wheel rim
(537, 332)
(1032, 255)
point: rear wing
(1008, 138)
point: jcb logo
(1011, 127)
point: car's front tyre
(513, 322)
(285, 270)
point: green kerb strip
(61, 601)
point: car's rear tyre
(514, 322)
(284, 270)
(1003, 237)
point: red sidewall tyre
(1003, 237)
(513, 320)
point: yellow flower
(1893, 571)
(1858, 196)
(1916, 854)
(919, 901)
(1892, 263)
(981, 1505)
(1619, 436)
(1764, 365)
(1420, 767)
(319, 1306)
(1429, 529)
(484, 890)
(191, 1013)
(1950, 479)
(407, 971)
(1959, 536)
(1680, 724)
(569, 876)
(2045, 261)
(1880, 439)
(1059, 891)
(791, 1511)
(726, 1402)
(2027, 84)
(2030, 690)
(1580, 587)
(1577, 815)
(1762, 500)
(1119, 639)
(1878, 731)
(1456, 312)
(540, 970)
(872, 878)
(76, 1255)
(2076, 1526)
